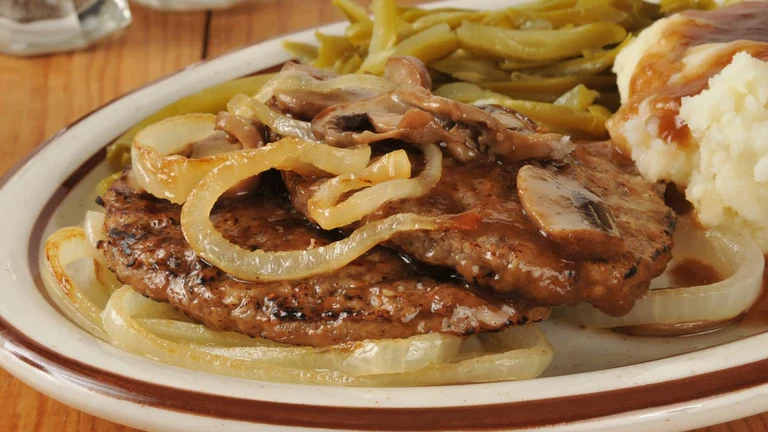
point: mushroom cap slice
(569, 214)
(407, 71)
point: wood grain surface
(41, 95)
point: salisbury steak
(509, 253)
(377, 296)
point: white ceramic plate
(598, 380)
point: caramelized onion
(517, 353)
(155, 329)
(298, 80)
(284, 265)
(324, 210)
(65, 247)
(735, 256)
(94, 227)
(244, 106)
(171, 176)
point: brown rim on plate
(523, 414)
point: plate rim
(506, 417)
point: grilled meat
(379, 295)
(621, 214)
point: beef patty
(508, 253)
(379, 295)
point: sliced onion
(64, 247)
(156, 166)
(244, 106)
(297, 80)
(324, 210)
(698, 308)
(94, 227)
(371, 357)
(193, 334)
(284, 265)
(517, 353)
(432, 359)
(170, 176)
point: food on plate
(694, 104)
(695, 110)
(181, 227)
(531, 52)
(409, 224)
(146, 249)
(733, 265)
(555, 241)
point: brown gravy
(739, 28)
(692, 272)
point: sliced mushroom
(407, 71)
(249, 133)
(567, 213)
(213, 144)
(466, 132)
(315, 73)
(512, 119)
(305, 104)
(221, 141)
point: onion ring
(283, 265)
(431, 359)
(244, 106)
(298, 80)
(324, 210)
(63, 248)
(172, 177)
(677, 309)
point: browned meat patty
(377, 296)
(508, 253)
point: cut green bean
(537, 44)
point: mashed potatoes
(694, 91)
(728, 184)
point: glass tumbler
(188, 5)
(33, 27)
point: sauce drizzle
(692, 272)
(662, 78)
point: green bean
(428, 45)
(384, 33)
(515, 64)
(592, 62)
(537, 44)
(349, 65)
(556, 116)
(331, 49)
(466, 67)
(359, 33)
(210, 100)
(521, 84)
(413, 13)
(579, 97)
(305, 53)
(352, 11)
(452, 18)
(545, 5)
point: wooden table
(42, 95)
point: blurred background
(44, 92)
